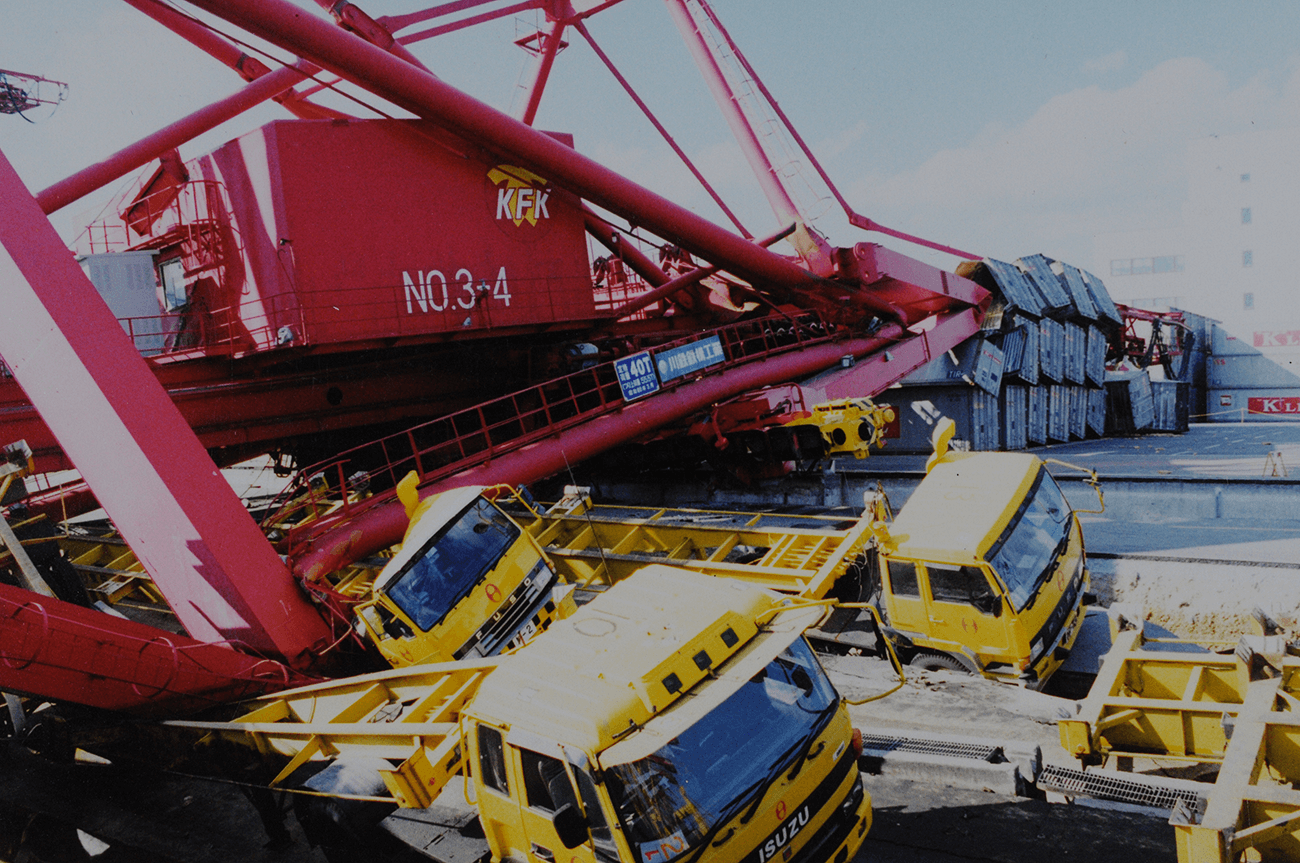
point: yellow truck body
(984, 568)
(675, 717)
(985, 564)
(467, 581)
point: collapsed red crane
(224, 580)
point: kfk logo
(521, 195)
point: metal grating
(1111, 786)
(875, 744)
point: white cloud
(1088, 161)
(1112, 62)
(841, 141)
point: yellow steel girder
(1241, 711)
(408, 716)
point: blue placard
(636, 376)
(676, 362)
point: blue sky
(1003, 128)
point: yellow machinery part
(849, 426)
(1241, 711)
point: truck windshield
(671, 800)
(446, 569)
(1025, 552)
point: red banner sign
(1289, 338)
(1274, 404)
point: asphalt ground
(1207, 450)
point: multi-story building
(1234, 258)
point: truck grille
(1046, 636)
(514, 611)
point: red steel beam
(660, 128)
(384, 525)
(400, 22)
(471, 21)
(133, 447)
(142, 152)
(231, 55)
(550, 47)
(284, 24)
(854, 218)
(53, 649)
(777, 196)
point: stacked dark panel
(1037, 372)
(1130, 405)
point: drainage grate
(880, 743)
(1147, 791)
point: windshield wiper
(1052, 563)
(802, 746)
(758, 789)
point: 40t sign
(636, 376)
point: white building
(1235, 256)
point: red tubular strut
(142, 152)
(53, 649)
(659, 127)
(601, 231)
(116, 423)
(550, 47)
(667, 289)
(249, 67)
(384, 525)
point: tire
(936, 662)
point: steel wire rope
(262, 52)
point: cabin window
(172, 275)
(902, 578)
(452, 563)
(962, 584)
(545, 783)
(492, 759)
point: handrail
(328, 492)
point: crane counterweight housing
(344, 231)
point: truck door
(548, 786)
(906, 607)
(965, 607)
(497, 789)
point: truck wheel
(936, 662)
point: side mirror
(570, 825)
(988, 603)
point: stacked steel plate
(1037, 373)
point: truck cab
(676, 717)
(467, 581)
(984, 568)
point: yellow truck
(467, 581)
(983, 569)
(674, 717)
